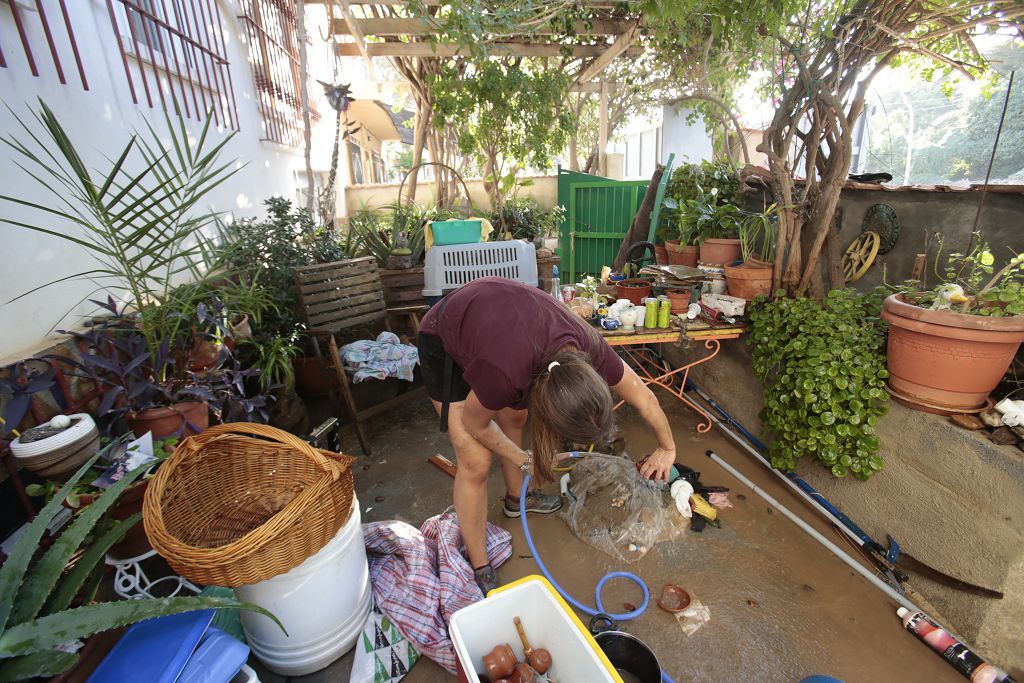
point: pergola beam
(392, 26)
(349, 22)
(621, 45)
(395, 49)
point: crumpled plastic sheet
(693, 617)
(616, 510)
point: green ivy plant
(823, 369)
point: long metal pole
(816, 535)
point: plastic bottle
(556, 284)
(970, 665)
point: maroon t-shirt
(501, 333)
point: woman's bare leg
(511, 423)
(470, 490)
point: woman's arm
(479, 422)
(634, 392)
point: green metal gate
(598, 213)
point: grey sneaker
(536, 502)
(486, 578)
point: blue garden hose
(625, 616)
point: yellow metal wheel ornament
(860, 255)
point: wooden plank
(396, 26)
(335, 315)
(343, 303)
(515, 49)
(362, 262)
(328, 270)
(356, 32)
(618, 48)
(331, 294)
(337, 326)
(410, 295)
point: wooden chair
(340, 295)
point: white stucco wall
(689, 142)
(100, 122)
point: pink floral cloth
(421, 577)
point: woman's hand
(658, 464)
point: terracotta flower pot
(680, 299)
(684, 255)
(309, 378)
(661, 255)
(749, 279)
(636, 290)
(947, 359)
(720, 251)
(179, 419)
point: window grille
(272, 34)
(176, 51)
(22, 13)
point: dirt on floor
(782, 607)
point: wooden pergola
(379, 28)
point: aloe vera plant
(36, 617)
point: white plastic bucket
(323, 603)
(548, 622)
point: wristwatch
(525, 467)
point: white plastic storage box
(449, 267)
(548, 622)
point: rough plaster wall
(920, 213)
(949, 497)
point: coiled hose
(586, 609)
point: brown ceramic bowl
(673, 598)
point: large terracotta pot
(683, 255)
(180, 419)
(720, 251)
(945, 359)
(635, 290)
(749, 279)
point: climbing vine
(823, 369)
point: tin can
(568, 293)
(651, 312)
(664, 313)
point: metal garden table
(638, 350)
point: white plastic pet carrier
(450, 267)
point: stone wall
(949, 497)
(921, 212)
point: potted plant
(753, 277)
(272, 359)
(692, 193)
(949, 346)
(160, 393)
(48, 606)
(634, 289)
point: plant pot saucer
(673, 599)
(934, 408)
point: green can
(664, 312)
(651, 313)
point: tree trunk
(418, 141)
(307, 130)
(641, 224)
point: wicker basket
(243, 502)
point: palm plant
(36, 618)
(137, 219)
(273, 360)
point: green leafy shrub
(269, 250)
(823, 369)
(524, 219)
(701, 201)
